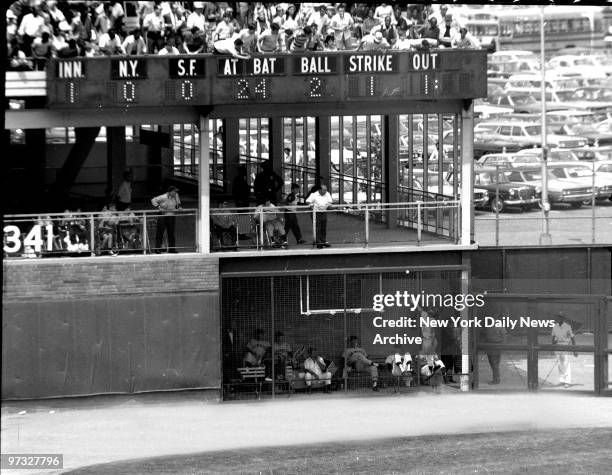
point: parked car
(559, 191)
(522, 103)
(511, 136)
(503, 193)
(554, 154)
(593, 154)
(480, 195)
(583, 173)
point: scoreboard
(200, 80)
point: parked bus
(519, 28)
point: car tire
(576, 204)
(497, 205)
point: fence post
(314, 228)
(419, 222)
(367, 225)
(92, 234)
(145, 234)
(593, 204)
(496, 207)
(261, 227)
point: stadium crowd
(40, 29)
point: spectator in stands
(154, 25)
(41, 51)
(267, 215)
(321, 19)
(291, 222)
(197, 19)
(56, 17)
(248, 36)
(102, 23)
(230, 46)
(287, 36)
(257, 348)
(224, 227)
(241, 188)
(431, 31)
(283, 355)
(116, 15)
(412, 33)
(78, 231)
(110, 43)
(134, 43)
(168, 203)
(315, 43)
(174, 19)
(403, 43)
(124, 191)
(342, 25)
(465, 40)
(279, 17)
(400, 20)
(448, 33)
(329, 44)
(373, 42)
(225, 28)
(369, 22)
(356, 358)
(129, 229)
(107, 228)
(31, 27)
(320, 201)
(301, 40)
(11, 26)
(388, 31)
(71, 50)
(267, 184)
(382, 12)
(290, 22)
(170, 46)
(261, 22)
(270, 41)
(18, 60)
(194, 41)
(317, 369)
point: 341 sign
(37, 239)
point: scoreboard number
(259, 87)
(12, 238)
(316, 87)
(187, 90)
(128, 91)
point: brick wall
(68, 278)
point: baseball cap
(198, 5)
(378, 36)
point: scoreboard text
(281, 79)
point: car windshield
(584, 61)
(488, 178)
(604, 154)
(532, 176)
(526, 159)
(562, 156)
(533, 129)
(565, 95)
(523, 100)
(577, 172)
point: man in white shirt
(134, 43)
(342, 26)
(169, 48)
(230, 46)
(154, 25)
(373, 42)
(248, 36)
(562, 335)
(316, 369)
(110, 43)
(168, 204)
(31, 27)
(320, 201)
(197, 18)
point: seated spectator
(431, 367)
(400, 364)
(465, 40)
(230, 46)
(224, 227)
(129, 229)
(272, 222)
(270, 41)
(317, 370)
(194, 41)
(110, 43)
(107, 229)
(170, 47)
(257, 348)
(283, 355)
(374, 42)
(77, 229)
(356, 358)
(134, 43)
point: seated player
(400, 364)
(356, 358)
(256, 349)
(317, 370)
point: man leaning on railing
(167, 203)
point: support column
(231, 152)
(391, 158)
(203, 219)
(323, 157)
(276, 143)
(115, 158)
(466, 354)
(467, 172)
(36, 161)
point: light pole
(545, 238)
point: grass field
(572, 451)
